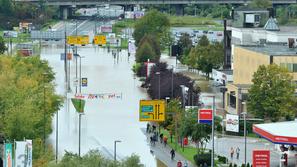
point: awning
(278, 133)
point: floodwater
(105, 120)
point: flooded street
(105, 120)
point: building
(247, 59)
(245, 17)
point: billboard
(261, 158)
(8, 161)
(29, 150)
(20, 153)
(205, 116)
(152, 110)
(232, 123)
(106, 28)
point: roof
(272, 49)
(279, 133)
(250, 9)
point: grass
(181, 21)
(188, 152)
(49, 23)
(124, 43)
(22, 37)
(119, 25)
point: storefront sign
(232, 123)
(261, 158)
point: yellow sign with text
(78, 40)
(100, 40)
(72, 40)
(152, 110)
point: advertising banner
(8, 155)
(29, 153)
(261, 158)
(205, 116)
(232, 123)
(131, 48)
(106, 28)
(20, 153)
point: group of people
(154, 135)
(237, 151)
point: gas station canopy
(278, 133)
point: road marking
(76, 28)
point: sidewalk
(163, 153)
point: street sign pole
(212, 131)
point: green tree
(3, 48)
(153, 41)
(263, 4)
(154, 23)
(206, 56)
(271, 96)
(95, 158)
(185, 43)
(145, 52)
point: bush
(200, 159)
(222, 159)
(230, 165)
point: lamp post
(115, 149)
(244, 119)
(79, 132)
(80, 57)
(158, 73)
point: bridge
(146, 2)
(66, 6)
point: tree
(95, 158)
(154, 23)
(185, 43)
(153, 41)
(206, 56)
(262, 4)
(271, 96)
(145, 52)
(3, 48)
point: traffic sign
(205, 116)
(100, 40)
(71, 40)
(152, 110)
(83, 40)
(84, 82)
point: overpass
(67, 5)
(146, 2)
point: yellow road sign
(100, 40)
(71, 40)
(152, 110)
(83, 40)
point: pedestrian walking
(231, 152)
(161, 137)
(148, 127)
(172, 152)
(237, 152)
(179, 164)
(154, 128)
(165, 140)
(186, 163)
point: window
(289, 66)
(294, 67)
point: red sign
(205, 116)
(261, 158)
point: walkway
(163, 153)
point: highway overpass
(146, 2)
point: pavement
(163, 153)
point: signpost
(152, 110)
(78, 40)
(205, 116)
(261, 158)
(84, 82)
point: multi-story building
(246, 60)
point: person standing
(148, 127)
(165, 140)
(186, 163)
(161, 137)
(237, 153)
(172, 152)
(231, 152)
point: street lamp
(115, 149)
(158, 73)
(244, 119)
(79, 131)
